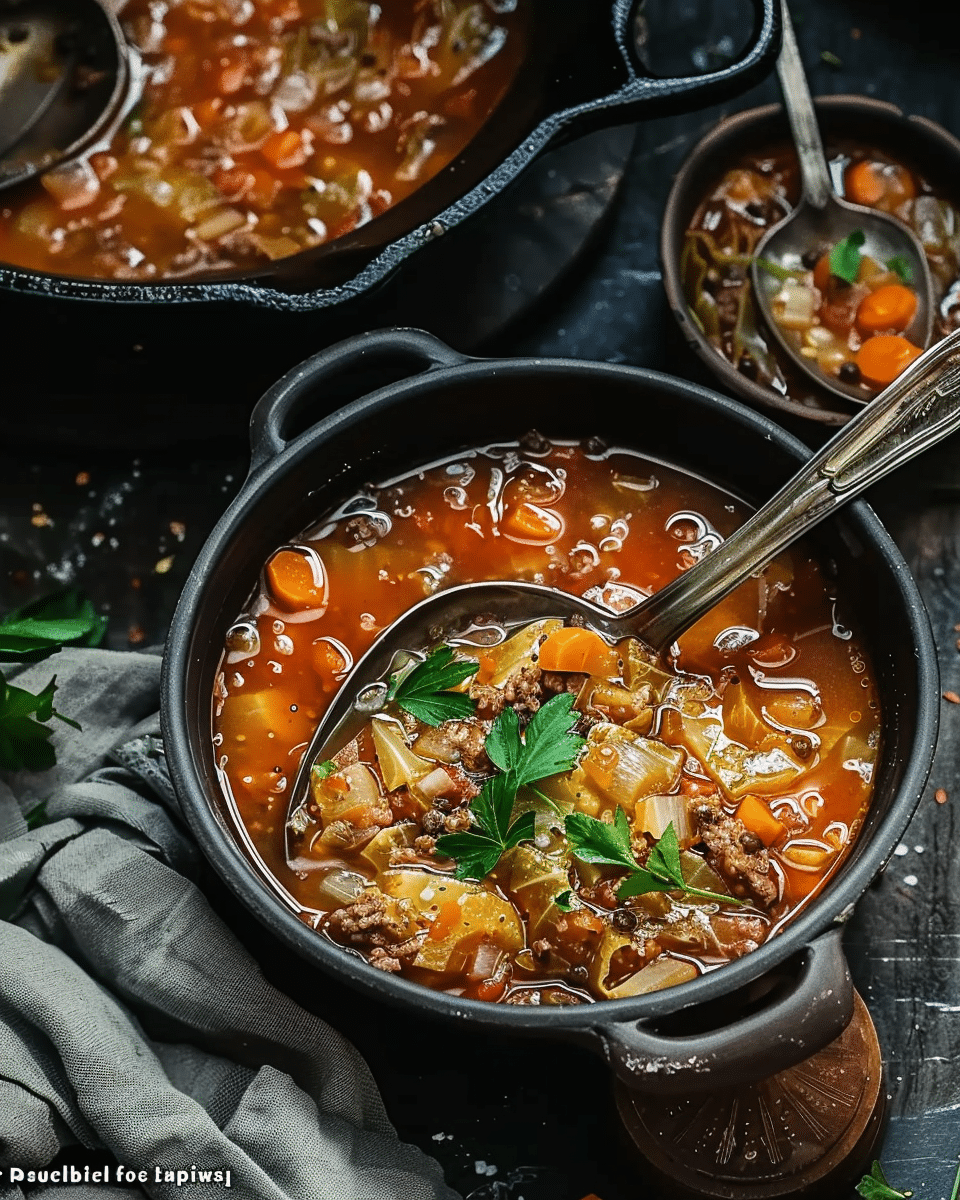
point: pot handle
(791, 1024)
(647, 95)
(273, 414)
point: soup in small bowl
(851, 315)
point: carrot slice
(864, 183)
(446, 921)
(295, 581)
(890, 307)
(821, 273)
(882, 358)
(879, 185)
(284, 149)
(760, 820)
(575, 649)
(531, 523)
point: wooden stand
(809, 1131)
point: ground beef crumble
(733, 851)
(522, 692)
(380, 926)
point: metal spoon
(917, 410)
(822, 219)
(67, 78)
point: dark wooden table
(511, 1120)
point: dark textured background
(125, 523)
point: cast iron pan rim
(828, 911)
(238, 288)
(674, 223)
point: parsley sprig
(30, 634)
(422, 689)
(548, 748)
(24, 738)
(607, 844)
(39, 629)
(875, 1186)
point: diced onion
(338, 888)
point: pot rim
(677, 211)
(829, 909)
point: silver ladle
(916, 411)
(67, 78)
(822, 219)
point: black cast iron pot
(744, 1021)
(581, 70)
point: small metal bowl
(917, 142)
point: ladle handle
(814, 176)
(916, 411)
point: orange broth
(609, 525)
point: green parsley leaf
(478, 851)
(39, 629)
(503, 745)
(875, 1187)
(322, 770)
(24, 736)
(901, 268)
(493, 808)
(423, 689)
(564, 901)
(550, 746)
(476, 854)
(831, 59)
(596, 841)
(845, 256)
(599, 842)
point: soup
(266, 127)
(846, 311)
(661, 818)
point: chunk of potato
(459, 910)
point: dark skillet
(580, 72)
(750, 1018)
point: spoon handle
(814, 175)
(917, 410)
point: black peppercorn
(849, 373)
(625, 919)
(747, 365)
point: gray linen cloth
(131, 1018)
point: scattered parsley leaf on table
(845, 257)
(32, 633)
(423, 689)
(549, 748)
(608, 844)
(875, 1187)
(24, 739)
(42, 627)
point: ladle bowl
(67, 78)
